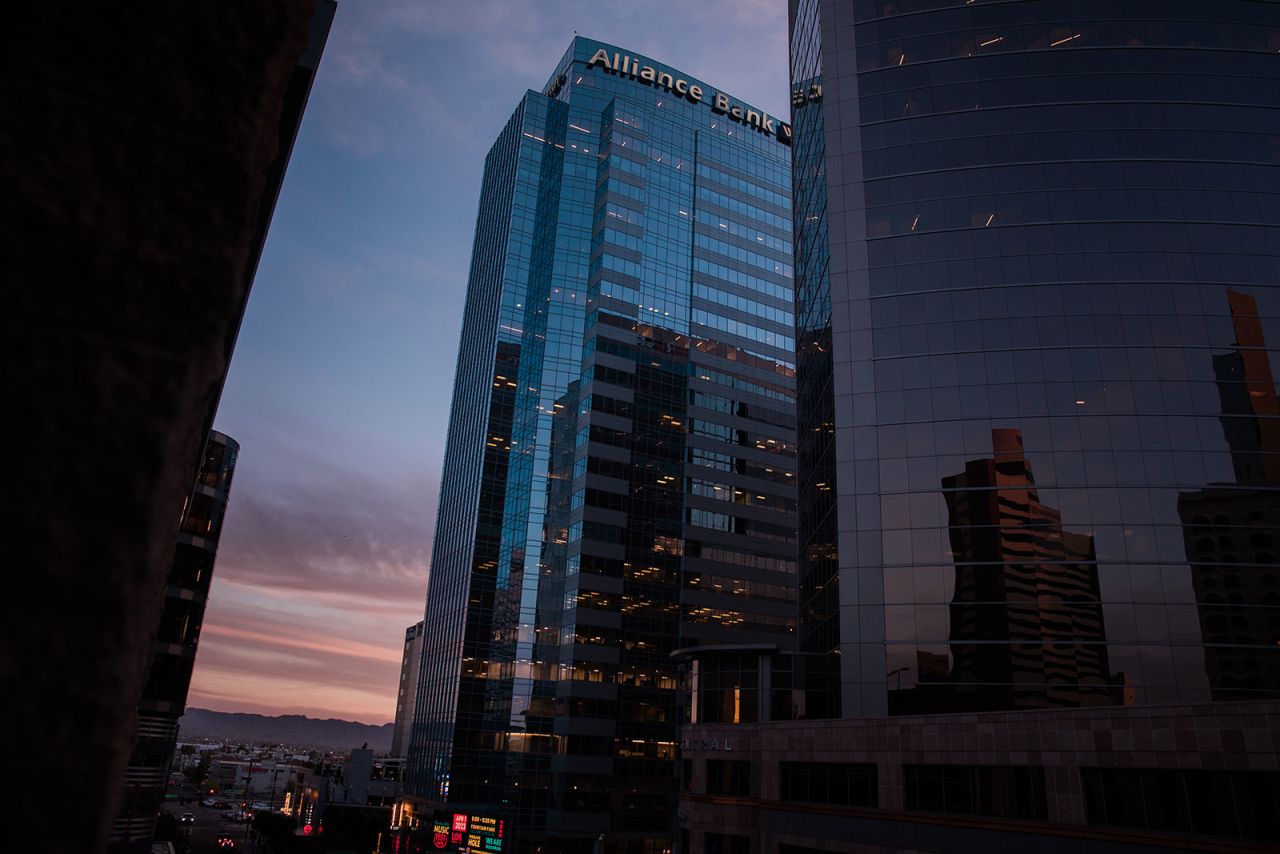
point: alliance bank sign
(628, 66)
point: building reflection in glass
(1025, 618)
(1230, 528)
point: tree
(196, 773)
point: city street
(209, 826)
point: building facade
(619, 470)
(164, 698)
(407, 695)
(1037, 250)
(1016, 247)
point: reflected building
(1231, 530)
(619, 472)
(1025, 619)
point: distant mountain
(283, 729)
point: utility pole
(248, 800)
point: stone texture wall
(136, 154)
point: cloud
(320, 568)
(405, 73)
(340, 389)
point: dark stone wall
(139, 146)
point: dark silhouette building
(143, 150)
(164, 697)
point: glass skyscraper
(1038, 248)
(619, 477)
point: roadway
(209, 826)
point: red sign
(460, 821)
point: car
(233, 815)
(219, 804)
(188, 818)
(226, 842)
(207, 802)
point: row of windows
(738, 277)
(740, 383)
(773, 197)
(1235, 804)
(890, 16)
(1054, 146)
(729, 203)
(742, 409)
(725, 433)
(735, 524)
(896, 51)
(736, 495)
(738, 557)
(748, 358)
(745, 256)
(729, 225)
(1072, 206)
(741, 303)
(740, 587)
(730, 618)
(1128, 176)
(720, 461)
(743, 330)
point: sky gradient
(340, 385)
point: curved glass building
(1038, 248)
(619, 473)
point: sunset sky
(340, 385)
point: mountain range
(283, 729)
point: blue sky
(340, 385)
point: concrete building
(407, 694)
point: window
(841, 783)
(724, 843)
(1240, 804)
(728, 777)
(1003, 792)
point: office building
(164, 698)
(407, 693)
(1037, 250)
(618, 477)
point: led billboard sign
(466, 833)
